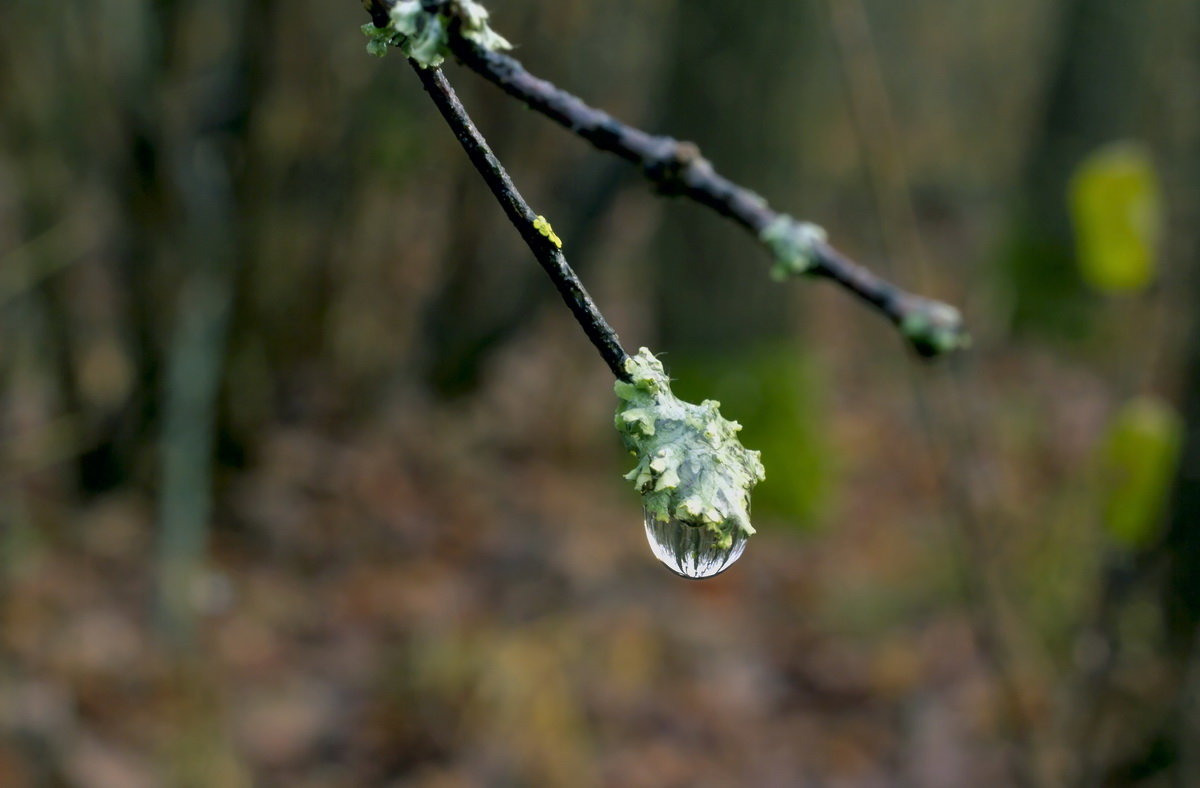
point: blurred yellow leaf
(1140, 457)
(1116, 208)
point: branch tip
(933, 328)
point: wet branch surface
(548, 255)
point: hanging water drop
(691, 550)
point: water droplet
(690, 550)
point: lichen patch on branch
(690, 464)
(795, 246)
(422, 30)
(933, 328)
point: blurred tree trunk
(59, 169)
(144, 189)
(1181, 549)
(1183, 532)
(1094, 95)
(1182, 543)
(207, 134)
(1172, 745)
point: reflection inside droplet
(690, 550)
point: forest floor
(441, 601)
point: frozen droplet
(692, 550)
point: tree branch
(540, 242)
(677, 168)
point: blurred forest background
(307, 477)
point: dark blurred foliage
(307, 478)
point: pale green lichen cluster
(934, 328)
(424, 35)
(794, 244)
(380, 38)
(691, 465)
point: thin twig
(677, 168)
(551, 258)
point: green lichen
(380, 38)
(933, 328)
(424, 35)
(542, 225)
(475, 26)
(690, 464)
(794, 244)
